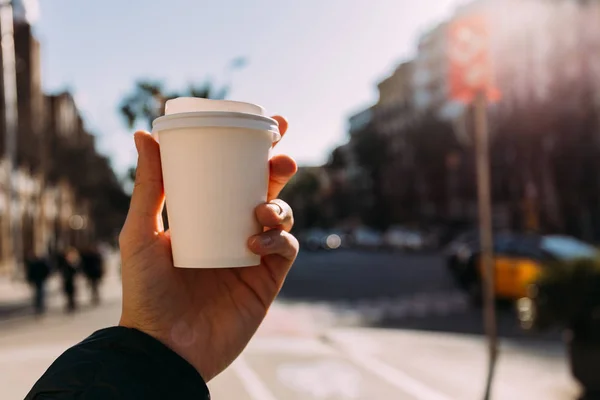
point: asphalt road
(324, 339)
(395, 290)
(354, 275)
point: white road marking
(288, 345)
(322, 379)
(395, 377)
(359, 349)
(255, 387)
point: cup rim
(231, 119)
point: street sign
(471, 81)
(469, 58)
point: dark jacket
(38, 270)
(67, 269)
(92, 265)
(119, 364)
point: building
(51, 194)
(394, 109)
(394, 106)
(533, 45)
(545, 56)
(430, 83)
(359, 121)
(30, 97)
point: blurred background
(385, 299)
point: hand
(207, 316)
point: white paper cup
(215, 163)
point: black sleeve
(120, 363)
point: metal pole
(485, 232)
(10, 118)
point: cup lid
(195, 104)
(187, 112)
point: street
(348, 325)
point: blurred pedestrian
(92, 265)
(37, 271)
(68, 265)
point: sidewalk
(16, 296)
(12, 291)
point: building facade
(48, 207)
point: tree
(93, 179)
(344, 198)
(372, 152)
(304, 194)
(408, 170)
(147, 100)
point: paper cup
(215, 163)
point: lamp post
(9, 75)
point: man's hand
(207, 316)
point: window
(567, 248)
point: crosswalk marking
(420, 305)
(359, 350)
(288, 345)
(395, 377)
(254, 386)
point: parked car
(312, 240)
(338, 239)
(518, 261)
(400, 238)
(367, 238)
(319, 239)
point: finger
(148, 194)
(275, 214)
(274, 242)
(282, 169)
(283, 127)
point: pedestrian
(37, 271)
(92, 265)
(179, 328)
(68, 265)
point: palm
(196, 300)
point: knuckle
(294, 247)
(286, 211)
(294, 242)
(290, 240)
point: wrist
(175, 340)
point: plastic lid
(195, 104)
(187, 112)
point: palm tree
(147, 100)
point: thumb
(148, 196)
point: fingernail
(276, 208)
(266, 241)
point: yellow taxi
(518, 260)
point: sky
(316, 62)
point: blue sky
(313, 61)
